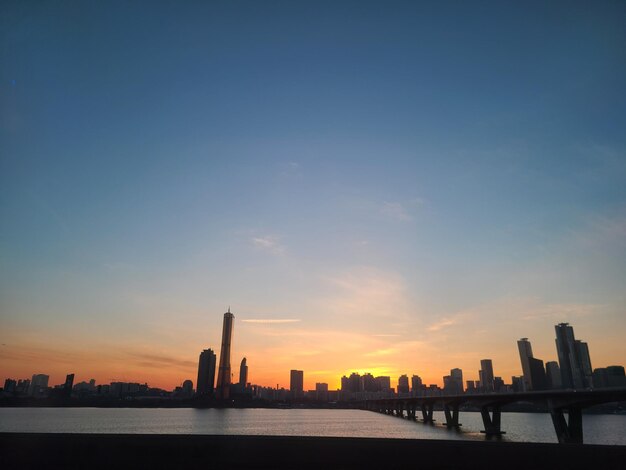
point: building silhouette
(553, 375)
(585, 363)
(38, 385)
(456, 377)
(607, 377)
(223, 373)
(574, 360)
(525, 353)
(486, 375)
(243, 373)
(534, 374)
(384, 383)
(296, 384)
(417, 387)
(206, 373)
(369, 383)
(321, 391)
(67, 386)
(403, 385)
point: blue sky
(313, 161)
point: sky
(393, 187)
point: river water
(527, 427)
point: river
(521, 427)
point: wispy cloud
(370, 293)
(445, 322)
(400, 210)
(557, 312)
(395, 210)
(269, 243)
(386, 336)
(290, 169)
(449, 321)
(271, 320)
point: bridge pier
(568, 431)
(410, 411)
(427, 412)
(451, 410)
(400, 409)
(492, 422)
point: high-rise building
(611, 376)
(67, 386)
(384, 383)
(574, 359)
(187, 389)
(525, 353)
(553, 375)
(38, 384)
(486, 375)
(9, 385)
(537, 374)
(403, 385)
(534, 377)
(582, 350)
(417, 387)
(457, 380)
(223, 373)
(321, 391)
(369, 383)
(243, 373)
(296, 384)
(206, 373)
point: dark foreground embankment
(159, 451)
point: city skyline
(372, 189)
(531, 376)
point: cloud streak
(271, 320)
(268, 243)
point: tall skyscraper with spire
(223, 374)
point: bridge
(559, 403)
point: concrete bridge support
(492, 420)
(410, 411)
(400, 409)
(451, 410)
(427, 412)
(568, 431)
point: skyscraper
(403, 385)
(534, 377)
(416, 386)
(296, 384)
(525, 353)
(486, 375)
(243, 373)
(67, 386)
(553, 375)
(223, 373)
(582, 350)
(574, 360)
(538, 379)
(457, 380)
(206, 373)
(38, 384)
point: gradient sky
(394, 187)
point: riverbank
(160, 451)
